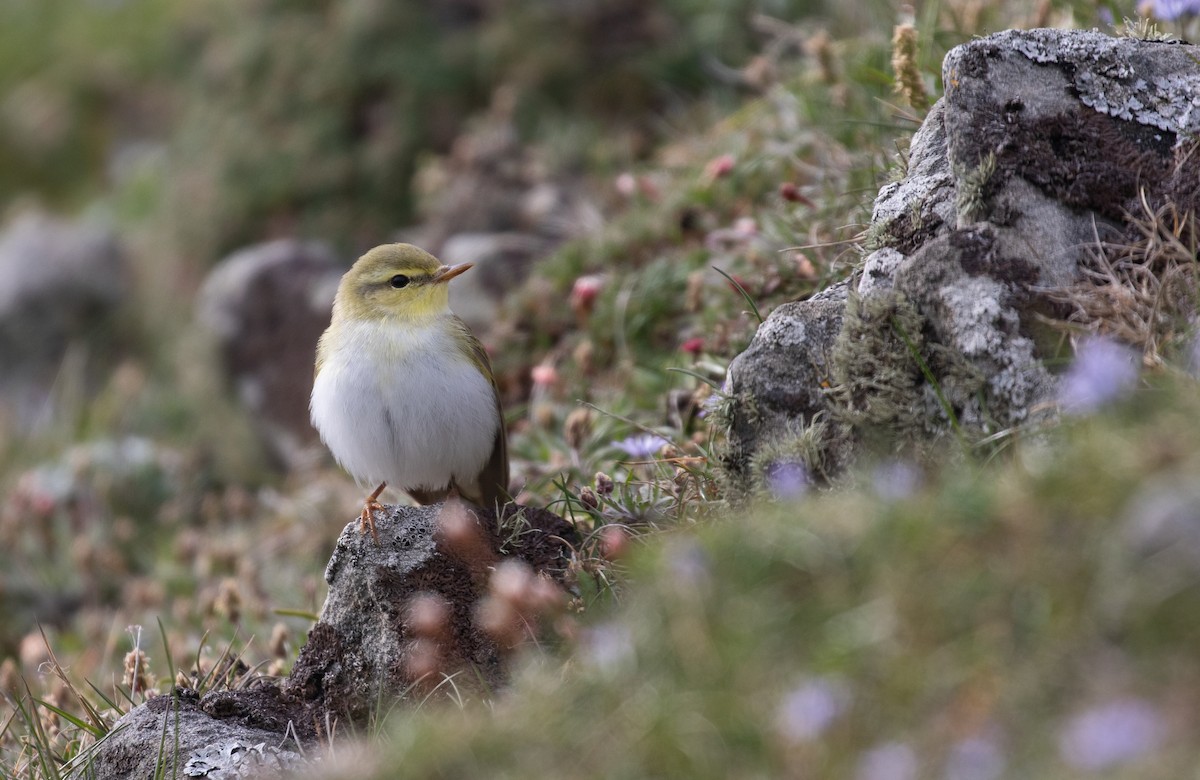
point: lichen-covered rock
(776, 407)
(364, 648)
(267, 305)
(1088, 119)
(226, 734)
(1046, 142)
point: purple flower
(608, 646)
(1111, 734)
(1103, 371)
(641, 446)
(975, 758)
(689, 565)
(1170, 10)
(889, 761)
(895, 480)
(786, 480)
(810, 708)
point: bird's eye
(399, 280)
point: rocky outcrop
(1045, 143)
(369, 646)
(404, 613)
(776, 393)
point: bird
(403, 392)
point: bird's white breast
(402, 404)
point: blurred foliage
(990, 604)
(309, 117)
(287, 116)
(79, 80)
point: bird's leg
(370, 507)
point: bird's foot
(370, 507)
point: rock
(502, 261)
(365, 649)
(61, 282)
(777, 389)
(1045, 142)
(1086, 118)
(267, 305)
(225, 734)
(359, 656)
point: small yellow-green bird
(404, 392)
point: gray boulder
(266, 306)
(1045, 142)
(61, 283)
(368, 646)
(775, 408)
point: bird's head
(396, 281)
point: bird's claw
(366, 519)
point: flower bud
(578, 427)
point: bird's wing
(493, 480)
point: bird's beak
(448, 272)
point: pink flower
(746, 226)
(743, 231)
(719, 167)
(791, 193)
(627, 185)
(693, 346)
(584, 292)
(544, 375)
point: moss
(907, 233)
(804, 443)
(876, 380)
(724, 408)
(974, 188)
(879, 235)
(733, 412)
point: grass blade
(297, 613)
(714, 384)
(74, 720)
(737, 286)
